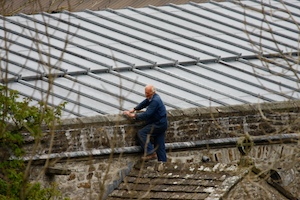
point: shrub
(17, 117)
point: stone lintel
(57, 171)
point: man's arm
(142, 105)
(149, 112)
(131, 113)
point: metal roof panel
(195, 54)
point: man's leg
(159, 144)
(144, 139)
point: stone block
(85, 185)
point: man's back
(156, 111)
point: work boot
(149, 157)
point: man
(156, 125)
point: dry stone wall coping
(191, 112)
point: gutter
(212, 143)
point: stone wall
(102, 132)
(96, 174)
(94, 178)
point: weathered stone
(91, 168)
(184, 125)
(81, 177)
(85, 138)
(89, 176)
(72, 177)
(84, 185)
(98, 175)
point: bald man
(156, 125)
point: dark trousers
(158, 134)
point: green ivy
(17, 117)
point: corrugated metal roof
(195, 54)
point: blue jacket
(155, 113)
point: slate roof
(246, 177)
(178, 181)
(196, 181)
(197, 55)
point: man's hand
(130, 113)
(132, 110)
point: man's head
(149, 91)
